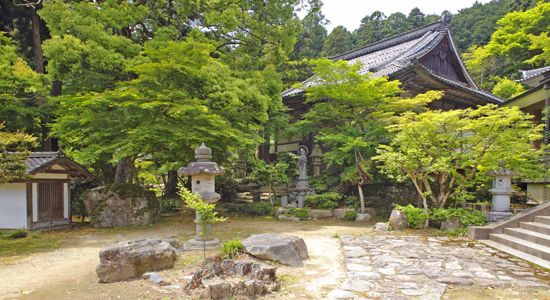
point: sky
(350, 12)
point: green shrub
(302, 213)
(326, 201)
(231, 248)
(467, 216)
(350, 215)
(17, 234)
(34, 235)
(259, 208)
(415, 216)
(351, 202)
(463, 231)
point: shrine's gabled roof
(394, 55)
(39, 161)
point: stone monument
(316, 160)
(502, 188)
(202, 174)
(302, 187)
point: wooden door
(50, 201)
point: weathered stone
(409, 278)
(454, 280)
(530, 284)
(436, 288)
(371, 211)
(451, 224)
(288, 250)
(392, 296)
(381, 227)
(358, 267)
(387, 271)
(408, 285)
(285, 218)
(172, 243)
(355, 253)
(462, 274)
(357, 285)
(341, 294)
(340, 212)
(411, 271)
(373, 294)
(121, 205)
(398, 220)
(280, 211)
(484, 275)
(362, 218)
(321, 213)
(386, 259)
(413, 292)
(156, 278)
(364, 276)
(434, 273)
(131, 259)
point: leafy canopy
(14, 149)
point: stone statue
(302, 163)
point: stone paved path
(410, 267)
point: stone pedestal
(284, 201)
(316, 160)
(256, 196)
(502, 182)
(202, 174)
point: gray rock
(131, 259)
(451, 224)
(341, 294)
(381, 227)
(454, 280)
(387, 271)
(156, 278)
(285, 218)
(530, 284)
(364, 276)
(386, 259)
(462, 274)
(413, 292)
(392, 296)
(398, 220)
(288, 250)
(321, 213)
(121, 205)
(280, 211)
(484, 275)
(436, 288)
(371, 211)
(408, 285)
(355, 253)
(373, 294)
(482, 282)
(174, 287)
(358, 267)
(147, 275)
(172, 243)
(411, 271)
(362, 218)
(357, 285)
(340, 212)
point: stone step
(528, 257)
(528, 235)
(531, 248)
(543, 219)
(537, 227)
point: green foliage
(507, 88)
(232, 248)
(259, 208)
(302, 213)
(14, 149)
(338, 41)
(467, 216)
(325, 201)
(326, 183)
(78, 188)
(416, 217)
(463, 231)
(350, 216)
(460, 146)
(336, 235)
(16, 234)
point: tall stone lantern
(316, 160)
(202, 174)
(502, 189)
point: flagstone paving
(410, 267)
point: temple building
(422, 59)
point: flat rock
(381, 227)
(530, 284)
(358, 267)
(357, 285)
(321, 213)
(412, 292)
(286, 249)
(462, 274)
(341, 294)
(364, 276)
(484, 275)
(482, 282)
(436, 288)
(454, 280)
(340, 212)
(130, 259)
(285, 218)
(156, 278)
(408, 285)
(355, 253)
(362, 218)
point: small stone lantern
(202, 174)
(502, 189)
(316, 160)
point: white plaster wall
(537, 192)
(13, 205)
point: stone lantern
(202, 174)
(316, 160)
(502, 189)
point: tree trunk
(37, 43)
(270, 200)
(123, 171)
(419, 198)
(171, 185)
(134, 172)
(362, 198)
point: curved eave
(83, 171)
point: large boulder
(131, 259)
(362, 218)
(398, 220)
(381, 227)
(288, 250)
(451, 224)
(320, 213)
(121, 205)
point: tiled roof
(391, 56)
(527, 74)
(36, 160)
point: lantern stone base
(194, 244)
(495, 216)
